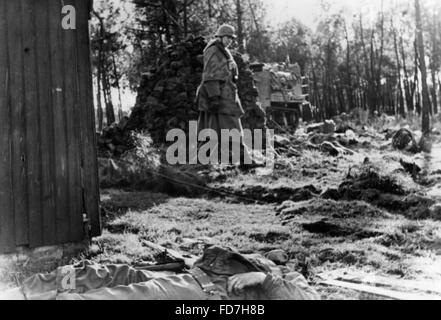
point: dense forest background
(384, 61)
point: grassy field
(396, 235)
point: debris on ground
(326, 127)
(384, 192)
(279, 256)
(329, 148)
(404, 140)
(411, 168)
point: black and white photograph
(220, 150)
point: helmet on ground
(226, 30)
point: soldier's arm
(293, 287)
(214, 71)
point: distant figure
(217, 96)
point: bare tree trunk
(100, 113)
(349, 90)
(102, 78)
(256, 23)
(359, 86)
(439, 87)
(341, 100)
(373, 84)
(240, 36)
(380, 60)
(116, 76)
(317, 99)
(434, 64)
(110, 112)
(434, 93)
(407, 89)
(370, 104)
(420, 43)
(401, 110)
(416, 82)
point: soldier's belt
(204, 281)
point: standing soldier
(217, 96)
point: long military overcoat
(218, 80)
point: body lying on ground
(220, 274)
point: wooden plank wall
(48, 164)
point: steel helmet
(226, 30)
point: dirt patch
(272, 195)
(199, 215)
(419, 207)
(370, 179)
(121, 226)
(270, 237)
(116, 203)
(349, 257)
(384, 192)
(332, 194)
(392, 239)
(329, 208)
(331, 229)
(128, 173)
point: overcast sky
(308, 11)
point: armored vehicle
(283, 93)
